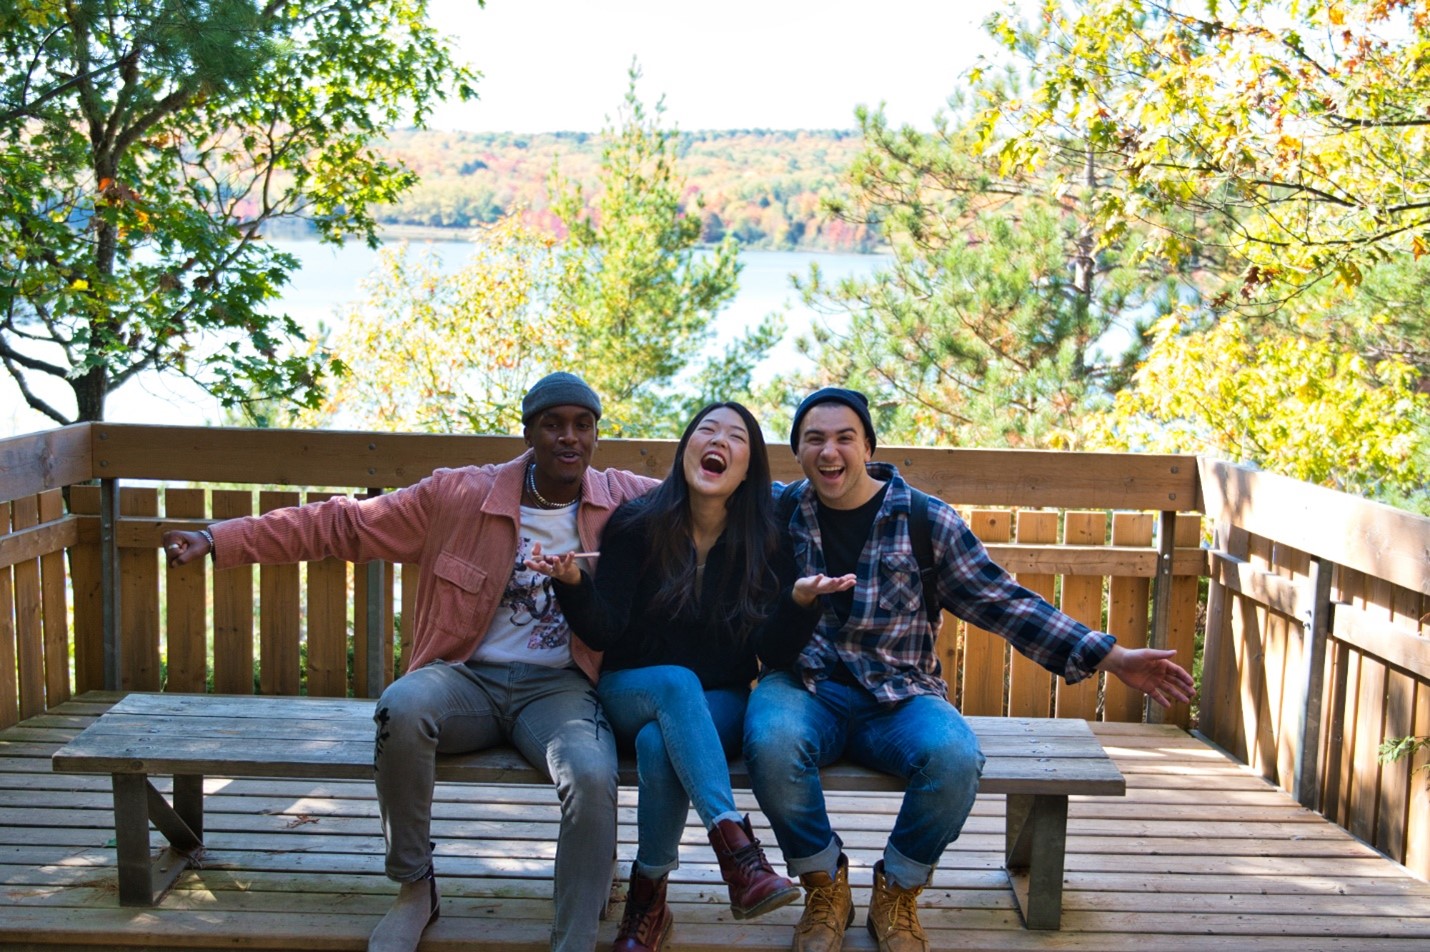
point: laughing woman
(685, 579)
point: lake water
(330, 278)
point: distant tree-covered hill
(763, 187)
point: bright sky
(552, 65)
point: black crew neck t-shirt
(844, 532)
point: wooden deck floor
(1200, 855)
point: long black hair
(748, 583)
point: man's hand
(561, 567)
(181, 548)
(1151, 671)
(807, 589)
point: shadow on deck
(1200, 855)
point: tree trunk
(90, 392)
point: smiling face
(562, 440)
(717, 455)
(832, 451)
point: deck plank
(1200, 853)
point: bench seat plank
(1037, 762)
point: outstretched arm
(1151, 671)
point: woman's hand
(810, 587)
(181, 548)
(561, 567)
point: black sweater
(615, 612)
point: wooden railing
(1318, 650)
(1316, 642)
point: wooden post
(109, 581)
(1315, 626)
(376, 630)
(1161, 599)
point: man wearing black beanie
(493, 659)
(863, 681)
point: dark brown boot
(755, 888)
(648, 919)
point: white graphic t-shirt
(528, 625)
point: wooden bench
(1036, 763)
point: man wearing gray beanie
(493, 660)
(862, 679)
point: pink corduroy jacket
(459, 525)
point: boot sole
(769, 904)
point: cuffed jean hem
(654, 872)
(904, 872)
(825, 861)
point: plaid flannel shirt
(888, 642)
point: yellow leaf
(79, 284)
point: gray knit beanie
(559, 389)
(852, 399)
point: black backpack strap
(921, 538)
(789, 499)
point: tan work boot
(894, 916)
(828, 911)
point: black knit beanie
(559, 390)
(852, 399)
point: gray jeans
(552, 716)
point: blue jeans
(682, 735)
(790, 733)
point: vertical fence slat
(1260, 735)
(327, 623)
(233, 606)
(1128, 604)
(362, 581)
(409, 606)
(29, 642)
(139, 599)
(1370, 726)
(279, 630)
(86, 577)
(1031, 685)
(54, 607)
(1395, 776)
(363, 649)
(984, 652)
(186, 602)
(1417, 825)
(1294, 566)
(945, 651)
(1184, 611)
(389, 621)
(9, 686)
(1407, 610)
(1282, 658)
(1223, 667)
(1082, 600)
(1341, 738)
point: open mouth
(713, 463)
